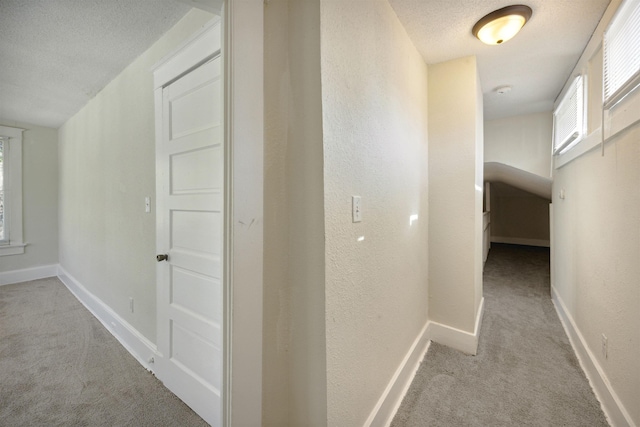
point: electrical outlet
(605, 346)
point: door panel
(190, 166)
(191, 291)
(196, 231)
(196, 354)
(190, 171)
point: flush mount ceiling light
(501, 25)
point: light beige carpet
(60, 367)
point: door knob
(162, 257)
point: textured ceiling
(57, 54)
(536, 62)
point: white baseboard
(388, 404)
(613, 408)
(135, 343)
(390, 401)
(27, 274)
(520, 241)
(455, 338)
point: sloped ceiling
(57, 54)
(536, 62)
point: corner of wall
(304, 189)
(455, 190)
(388, 404)
(457, 339)
(277, 293)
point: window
(11, 242)
(568, 118)
(622, 53)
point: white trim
(621, 119)
(521, 241)
(388, 404)
(13, 192)
(213, 6)
(199, 51)
(486, 233)
(196, 50)
(243, 57)
(588, 143)
(571, 101)
(621, 38)
(595, 44)
(131, 339)
(455, 338)
(13, 249)
(392, 397)
(486, 220)
(27, 274)
(616, 413)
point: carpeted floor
(60, 367)
(525, 372)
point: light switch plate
(356, 208)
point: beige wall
(276, 352)
(40, 198)
(596, 268)
(523, 142)
(330, 300)
(107, 167)
(518, 217)
(596, 236)
(294, 381)
(455, 193)
(374, 101)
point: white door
(189, 167)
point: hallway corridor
(525, 372)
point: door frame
(243, 59)
(243, 81)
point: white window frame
(621, 54)
(573, 99)
(4, 182)
(13, 192)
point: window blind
(568, 117)
(622, 53)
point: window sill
(588, 143)
(621, 119)
(15, 249)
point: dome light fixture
(502, 25)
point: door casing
(243, 77)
